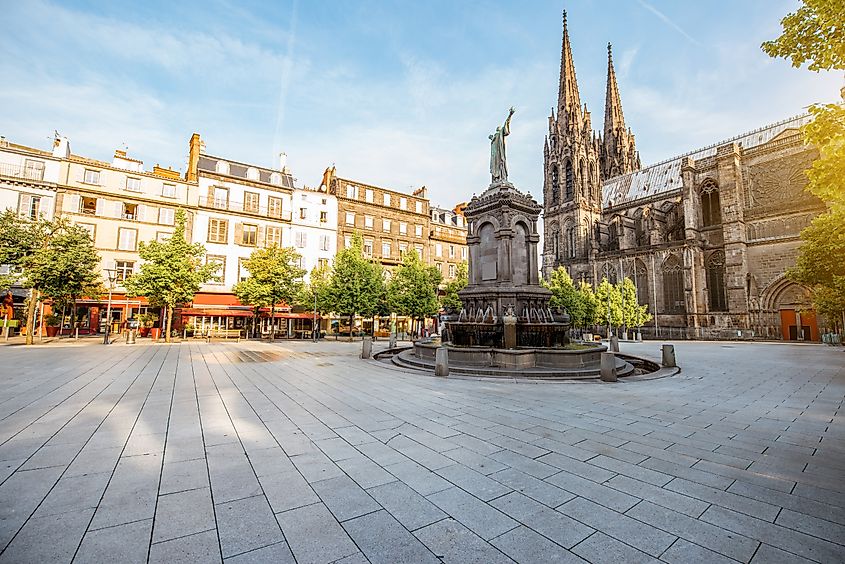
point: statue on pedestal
(498, 160)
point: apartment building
(29, 178)
(390, 222)
(314, 227)
(447, 240)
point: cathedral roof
(665, 176)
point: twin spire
(618, 153)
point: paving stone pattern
(301, 452)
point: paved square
(301, 452)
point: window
(368, 247)
(571, 243)
(251, 202)
(350, 218)
(324, 201)
(716, 282)
(243, 273)
(165, 216)
(403, 248)
(220, 198)
(133, 184)
(91, 177)
(325, 242)
(126, 239)
(570, 181)
(301, 239)
(219, 276)
(90, 228)
(438, 250)
(250, 235)
(123, 270)
(368, 196)
(347, 241)
(322, 263)
(33, 170)
(711, 210)
(555, 185)
(418, 230)
(88, 206)
(273, 238)
(324, 216)
(419, 250)
(673, 286)
(222, 167)
(29, 206)
(385, 248)
(403, 228)
(463, 253)
(130, 211)
(386, 199)
(451, 271)
(303, 213)
(403, 203)
(168, 190)
(419, 207)
(385, 225)
(639, 276)
(162, 236)
(218, 231)
(451, 251)
(351, 192)
(274, 207)
(610, 273)
(439, 266)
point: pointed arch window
(570, 180)
(716, 282)
(555, 244)
(571, 242)
(673, 286)
(639, 276)
(711, 207)
(609, 272)
(613, 235)
(555, 185)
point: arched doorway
(793, 309)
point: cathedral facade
(706, 237)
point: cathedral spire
(614, 120)
(568, 98)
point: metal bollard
(608, 367)
(441, 361)
(614, 343)
(367, 347)
(669, 356)
(130, 337)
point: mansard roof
(208, 163)
(665, 176)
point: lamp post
(314, 328)
(111, 276)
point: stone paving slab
(302, 452)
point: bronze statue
(498, 160)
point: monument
(505, 326)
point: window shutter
(143, 212)
(262, 233)
(208, 234)
(239, 234)
(43, 207)
(74, 203)
(101, 207)
(210, 200)
(117, 209)
(24, 205)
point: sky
(399, 94)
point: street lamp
(314, 328)
(111, 276)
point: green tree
(815, 34)
(274, 278)
(357, 283)
(565, 295)
(450, 300)
(634, 314)
(172, 271)
(608, 305)
(589, 303)
(412, 290)
(20, 239)
(317, 286)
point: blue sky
(399, 94)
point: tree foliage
(412, 289)
(357, 283)
(608, 304)
(565, 295)
(450, 300)
(318, 285)
(172, 271)
(634, 314)
(815, 33)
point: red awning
(215, 312)
(295, 315)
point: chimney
(194, 150)
(61, 147)
(283, 162)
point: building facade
(314, 227)
(706, 236)
(447, 241)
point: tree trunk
(169, 323)
(351, 320)
(272, 322)
(30, 315)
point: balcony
(238, 207)
(24, 172)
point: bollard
(392, 343)
(77, 333)
(130, 337)
(367, 347)
(441, 361)
(614, 343)
(639, 336)
(608, 367)
(184, 333)
(669, 356)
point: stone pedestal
(608, 367)
(510, 330)
(614, 343)
(669, 356)
(367, 347)
(441, 361)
